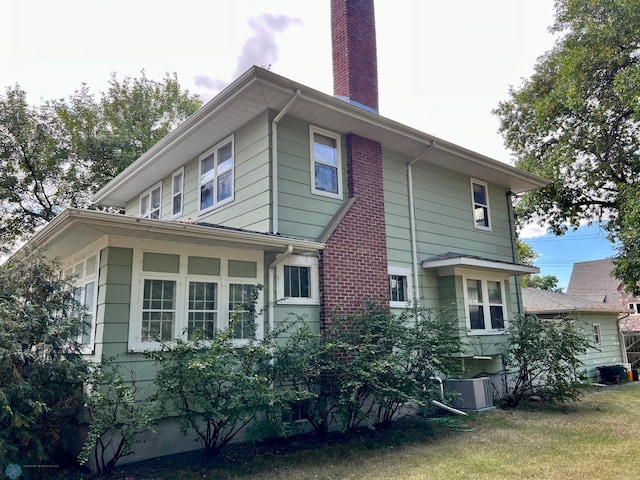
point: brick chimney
(353, 266)
(355, 64)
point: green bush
(214, 388)
(544, 358)
(41, 369)
(118, 411)
(366, 366)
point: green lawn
(596, 438)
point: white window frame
(175, 193)
(80, 283)
(312, 131)
(484, 278)
(149, 193)
(314, 289)
(215, 174)
(182, 279)
(597, 334)
(474, 204)
(401, 272)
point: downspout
(514, 248)
(272, 284)
(274, 156)
(412, 225)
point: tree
(576, 122)
(41, 368)
(528, 256)
(57, 154)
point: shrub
(216, 389)
(545, 357)
(367, 366)
(41, 369)
(118, 411)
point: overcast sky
(443, 64)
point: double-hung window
(400, 288)
(480, 202)
(177, 182)
(182, 296)
(597, 336)
(216, 175)
(85, 294)
(150, 202)
(298, 280)
(326, 163)
(485, 304)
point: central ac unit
(475, 393)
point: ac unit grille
(475, 393)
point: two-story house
(319, 198)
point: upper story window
(216, 175)
(485, 304)
(480, 200)
(326, 163)
(150, 202)
(400, 288)
(177, 182)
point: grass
(595, 438)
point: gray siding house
(317, 197)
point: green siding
(240, 268)
(114, 297)
(160, 262)
(203, 266)
(302, 214)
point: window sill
(480, 333)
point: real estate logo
(13, 471)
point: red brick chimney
(355, 64)
(353, 266)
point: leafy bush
(118, 412)
(544, 355)
(367, 365)
(216, 389)
(41, 369)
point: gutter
(274, 161)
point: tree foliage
(57, 154)
(41, 368)
(576, 122)
(528, 256)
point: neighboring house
(599, 320)
(593, 280)
(318, 198)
